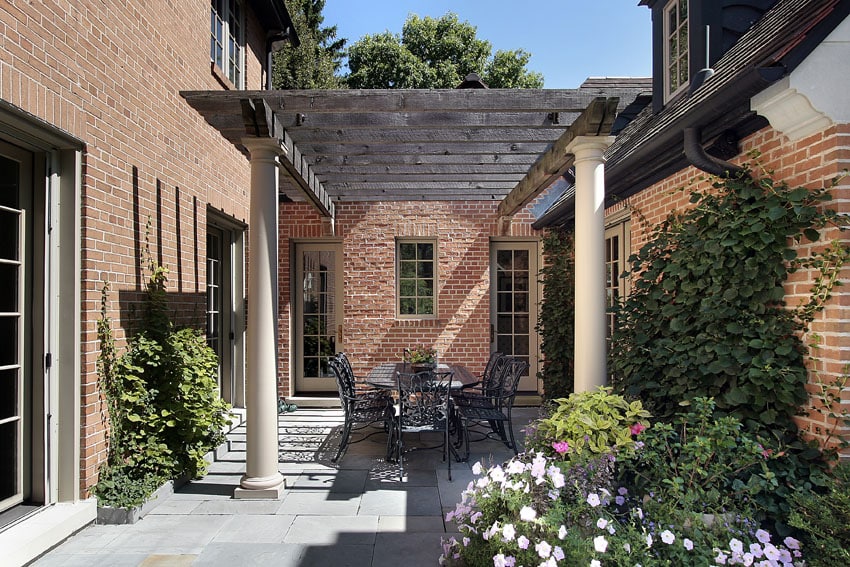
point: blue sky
(569, 40)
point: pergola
(414, 145)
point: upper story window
(675, 47)
(227, 39)
(416, 266)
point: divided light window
(675, 47)
(416, 267)
(227, 39)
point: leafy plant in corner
(556, 314)
(164, 408)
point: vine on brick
(557, 311)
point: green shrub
(701, 463)
(824, 520)
(590, 424)
(164, 409)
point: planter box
(110, 515)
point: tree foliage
(314, 63)
(435, 53)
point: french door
(16, 403)
(318, 314)
(513, 304)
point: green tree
(314, 63)
(435, 53)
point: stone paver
(357, 512)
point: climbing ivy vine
(557, 313)
(707, 314)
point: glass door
(14, 462)
(513, 304)
(318, 314)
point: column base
(267, 488)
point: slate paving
(354, 513)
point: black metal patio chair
(361, 407)
(424, 405)
(494, 410)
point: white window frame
(227, 39)
(617, 251)
(399, 278)
(682, 56)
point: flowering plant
(589, 424)
(527, 513)
(421, 355)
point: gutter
(700, 159)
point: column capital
(263, 147)
(584, 147)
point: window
(417, 276)
(675, 47)
(617, 246)
(226, 39)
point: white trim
(45, 529)
(816, 95)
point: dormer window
(227, 40)
(675, 47)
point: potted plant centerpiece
(421, 358)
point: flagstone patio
(353, 513)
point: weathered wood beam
(596, 120)
(414, 119)
(301, 173)
(328, 162)
(424, 148)
(369, 136)
(515, 170)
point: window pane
(521, 302)
(426, 251)
(426, 306)
(504, 258)
(407, 306)
(407, 288)
(407, 251)
(521, 260)
(426, 270)
(425, 288)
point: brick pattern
(110, 73)
(372, 332)
(811, 162)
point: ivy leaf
(812, 234)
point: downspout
(699, 158)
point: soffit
(368, 145)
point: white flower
(601, 523)
(600, 544)
(515, 467)
(648, 540)
(736, 545)
(527, 514)
(522, 542)
(770, 552)
(593, 499)
(763, 536)
(497, 474)
(689, 545)
(668, 537)
(595, 563)
(791, 543)
(755, 549)
(508, 532)
(558, 553)
(721, 558)
(543, 549)
(562, 532)
(476, 468)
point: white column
(262, 478)
(590, 298)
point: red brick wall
(372, 332)
(811, 162)
(110, 73)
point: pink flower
(561, 447)
(637, 428)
